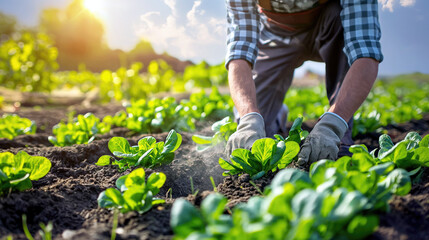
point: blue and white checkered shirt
(359, 19)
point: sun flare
(96, 7)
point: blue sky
(195, 29)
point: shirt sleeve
(242, 30)
(361, 29)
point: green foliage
(27, 61)
(202, 75)
(147, 153)
(296, 133)
(309, 103)
(81, 130)
(266, 155)
(207, 223)
(12, 125)
(160, 115)
(223, 130)
(411, 154)
(135, 192)
(17, 171)
(392, 101)
(335, 201)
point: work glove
(323, 141)
(250, 128)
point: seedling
(223, 130)
(266, 155)
(11, 125)
(81, 130)
(17, 171)
(147, 153)
(133, 192)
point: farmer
(272, 38)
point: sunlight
(96, 7)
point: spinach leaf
(148, 153)
(135, 193)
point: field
(67, 195)
(101, 143)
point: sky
(196, 29)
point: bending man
(268, 39)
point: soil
(67, 195)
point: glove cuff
(336, 115)
(335, 123)
(252, 113)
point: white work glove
(323, 142)
(250, 129)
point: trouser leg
(273, 73)
(328, 46)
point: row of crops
(340, 199)
(390, 102)
(334, 200)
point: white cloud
(389, 4)
(172, 5)
(408, 3)
(188, 35)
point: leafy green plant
(411, 154)
(325, 204)
(223, 130)
(147, 153)
(27, 61)
(266, 155)
(296, 133)
(11, 125)
(134, 192)
(207, 223)
(81, 130)
(17, 171)
(160, 115)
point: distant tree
(77, 32)
(7, 24)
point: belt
(294, 22)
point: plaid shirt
(359, 20)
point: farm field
(67, 195)
(99, 141)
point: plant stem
(115, 224)
(24, 226)
(213, 184)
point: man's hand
(250, 129)
(323, 141)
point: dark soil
(67, 195)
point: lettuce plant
(134, 192)
(329, 203)
(208, 222)
(411, 154)
(11, 125)
(160, 115)
(147, 153)
(81, 130)
(266, 155)
(296, 133)
(223, 130)
(17, 171)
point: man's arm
(355, 88)
(242, 87)
(362, 47)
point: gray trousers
(280, 52)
